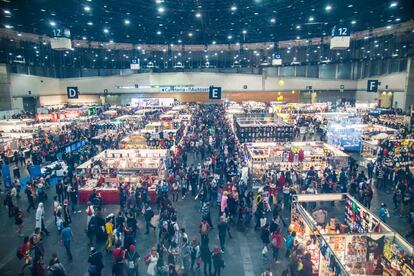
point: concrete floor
(242, 256)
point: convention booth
(14, 125)
(262, 129)
(300, 156)
(111, 168)
(353, 241)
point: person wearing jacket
(277, 242)
(218, 262)
(95, 263)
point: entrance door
(30, 104)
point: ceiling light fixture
(52, 23)
(7, 12)
(328, 8)
(198, 15)
(393, 4)
(353, 22)
(311, 19)
(161, 9)
(273, 20)
(90, 23)
(127, 22)
(8, 26)
(87, 8)
(244, 32)
(158, 32)
(233, 8)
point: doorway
(30, 104)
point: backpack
(204, 228)
(171, 230)
(89, 211)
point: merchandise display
(397, 153)
(263, 129)
(367, 247)
(112, 168)
(299, 155)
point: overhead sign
(135, 64)
(61, 39)
(214, 93)
(188, 89)
(372, 86)
(73, 92)
(277, 60)
(341, 88)
(341, 37)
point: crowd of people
(206, 166)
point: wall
(5, 103)
(396, 83)
(230, 83)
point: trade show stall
(349, 242)
(300, 156)
(112, 168)
(263, 129)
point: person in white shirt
(89, 213)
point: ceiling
(200, 21)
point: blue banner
(34, 171)
(5, 171)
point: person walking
(206, 257)
(277, 241)
(55, 267)
(152, 260)
(384, 213)
(290, 241)
(40, 221)
(148, 215)
(95, 262)
(218, 262)
(132, 257)
(109, 230)
(30, 199)
(222, 231)
(89, 213)
(195, 254)
(23, 253)
(18, 217)
(66, 238)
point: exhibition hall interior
(205, 137)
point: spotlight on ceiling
(311, 19)
(328, 8)
(233, 8)
(52, 23)
(161, 9)
(87, 8)
(127, 22)
(105, 30)
(198, 15)
(393, 4)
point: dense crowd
(206, 166)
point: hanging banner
(5, 171)
(34, 171)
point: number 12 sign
(341, 31)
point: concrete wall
(396, 83)
(53, 91)
(5, 98)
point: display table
(109, 196)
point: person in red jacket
(277, 242)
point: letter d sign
(73, 92)
(214, 93)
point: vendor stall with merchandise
(358, 241)
(263, 129)
(298, 155)
(111, 168)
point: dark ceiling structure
(200, 21)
